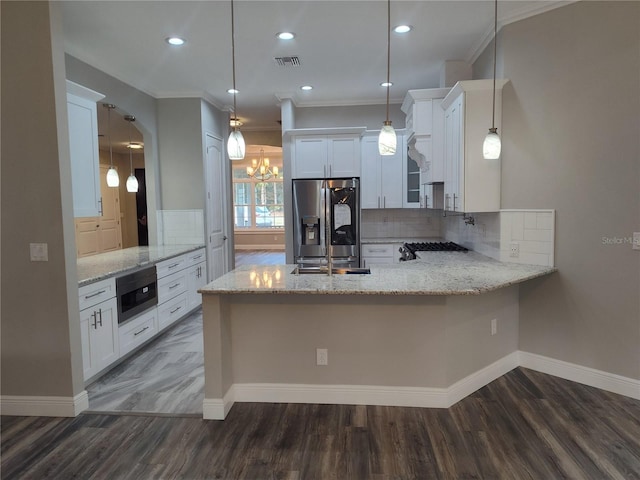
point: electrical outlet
(39, 252)
(494, 326)
(514, 250)
(322, 356)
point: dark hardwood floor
(525, 425)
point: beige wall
(571, 123)
(259, 240)
(40, 335)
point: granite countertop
(438, 273)
(105, 265)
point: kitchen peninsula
(424, 333)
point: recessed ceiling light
(385, 84)
(176, 41)
(402, 28)
(232, 90)
(286, 35)
(306, 87)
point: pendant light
(492, 145)
(132, 181)
(387, 137)
(235, 144)
(113, 180)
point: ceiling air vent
(288, 61)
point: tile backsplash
(400, 223)
(530, 232)
(180, 227)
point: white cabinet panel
(381, 179)
(310, 157)
(326, 156)
(196, 278)
(83, 149)
(138, 330)
(472, 183)
(99, 335)
(172, 311)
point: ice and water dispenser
(311, 229)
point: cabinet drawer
(371, 261)
(171, 286)
(137, 331)
(94, 293)
(379, 250)
(172, 311)
(167, 267)
(194, 258)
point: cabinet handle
(384, 201)
(138, 333)
(330, 171)
(174, 265)
(446, 202)
(426, 201)
(86, 297)
(198, 257)
(174, 311)
(100, 313)
(174, 286)
(95, 321)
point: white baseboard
(216, 408)
(465, 387)
(358, 394)
(44, 406)
(584, 375)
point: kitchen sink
(334, 270)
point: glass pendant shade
(492, 145)
(113, 180)
(132, 184)
(387, 140)
(235, 145)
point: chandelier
(260, 168)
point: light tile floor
(167, 375)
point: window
(257, 204)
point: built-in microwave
(136, 292)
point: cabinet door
(437, 143)
(453, 154)
(196, 279)
(343, 156)
(100, 347)
(370, 176)
(83, 150)
(391, 173)
(310, 157)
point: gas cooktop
(408, 250)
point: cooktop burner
(435, 247)
(408, 250)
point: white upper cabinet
(471, 184)
(83, 149)
(425, 132)
(381, 181)
(325, 155)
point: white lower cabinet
(99, 334)
(172, 311)
(138, 330)
(196, 278)
(380, 254)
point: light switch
(39, 252)
(636, 241)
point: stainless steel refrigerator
(326, 216)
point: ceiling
(341, 46)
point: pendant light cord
(233, 65)
(109, 107)
(130, 150)
(388, 52)
(495, 49)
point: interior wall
(370, 116)
(134, 102)
(180, 153)
(40, 346)
(571, 117)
